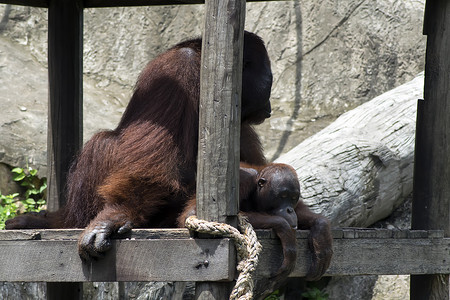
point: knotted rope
(247, 246)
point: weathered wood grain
(220, 122)
(181, 233)
(111, 3)
(219, 112)
(369, 252)
(359, 169)
(73, 234)
(35, 3)
(65, 105)
(116, 3)
(431, 203)
(149, 256)
(129, 260)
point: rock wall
(23, 100)
(327, 56)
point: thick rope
(247, 246)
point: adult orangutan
(141, 174)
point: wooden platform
(172, 255)
(116, 3)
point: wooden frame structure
(51, 255)
(431, 200)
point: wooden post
(65, 109)
(431, 205)
(219, 129)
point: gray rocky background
(328, 56)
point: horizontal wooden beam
(368, 252)
(53, 257)
(172, 255)
(117, 3)
(34, 3)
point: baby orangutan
(270, 198)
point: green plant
(315, 294)
(32, 199)
(8, 208)
(35, 188)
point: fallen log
(359, 169)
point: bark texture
(360, 167)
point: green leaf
(18, 177)
(33, 172)
(33, 192)
(17, 170)
(42, 189)
(30, 201)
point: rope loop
(247, 247)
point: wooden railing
(173, 255)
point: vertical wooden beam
(431, 200)
(220, 90)
(65, 109)
(64, 290)
(219, 129)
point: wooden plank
(117, 3)
(428, 22)
(182, 233)
(367, 257)
(34, 3)
(112, 3)
(64, 290)
(73, 234)
(65, 108)
(144, 257)
(389, 256)
(129, 260)
(431, 203)
(373, 233)
(220, 122)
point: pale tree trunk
(359, 168)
